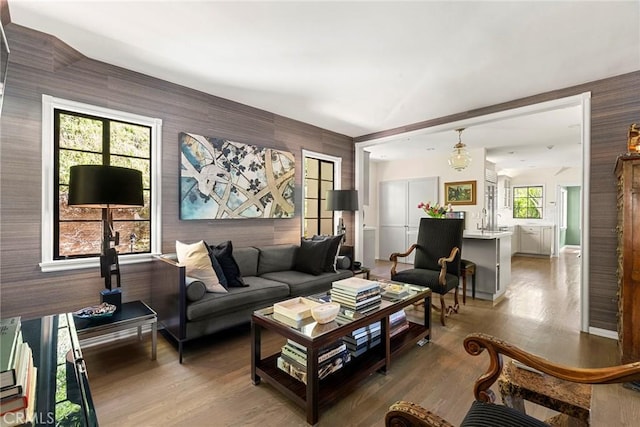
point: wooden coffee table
(313, 336)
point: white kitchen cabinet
(504, 191)
(399, 216)
(535, 239)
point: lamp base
(113, 297)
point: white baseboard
(604, 333)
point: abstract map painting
(222, 179)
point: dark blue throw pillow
(217, 267)
(223, 252)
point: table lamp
(106, 187)
(342, 200)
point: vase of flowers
(435, 211)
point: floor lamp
(342, 200)
(106, 188)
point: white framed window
(76, 133)
(528, 202)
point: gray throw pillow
(311, 256)
(332, 252)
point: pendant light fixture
(459, 158)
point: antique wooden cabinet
(628, 174)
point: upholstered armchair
(558, 387)
(437, 260)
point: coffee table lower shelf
(344, 380)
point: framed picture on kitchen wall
(460, 193)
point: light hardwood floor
(213, 388)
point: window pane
(535, 191)
(311, 227)
(135, 236)
(311, 187)
(80, 238)
(80, 133)
(311, 206)
(130, 140)
(520, 192)
(68, 158)
(327, 171)
(311, 168)
(74, 213)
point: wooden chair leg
(456, 303)
(443, 310)
(464, 288)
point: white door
(392, 217)
(399, 214)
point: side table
(132, 314)
(572, 400)
(364, 271)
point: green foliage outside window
(528, 202)
(87, 140)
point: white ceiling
(357, 67)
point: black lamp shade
(98, 186)
(342, 200)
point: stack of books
(17, 376)
(356, 294)
(362, 339)
(293, 360)
(397, 323)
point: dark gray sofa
(269, 273)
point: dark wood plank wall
(615, 104)
(41, 64)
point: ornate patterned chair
(437, 260)
(484, 412)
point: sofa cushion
(302, 284)
(196, 290)
(276, 258)
(247, 260)
(195, 258)
(260, 293)
(332, 252)
(311, 256)
(224, 254)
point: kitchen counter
(478, 234)
(491, 252)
